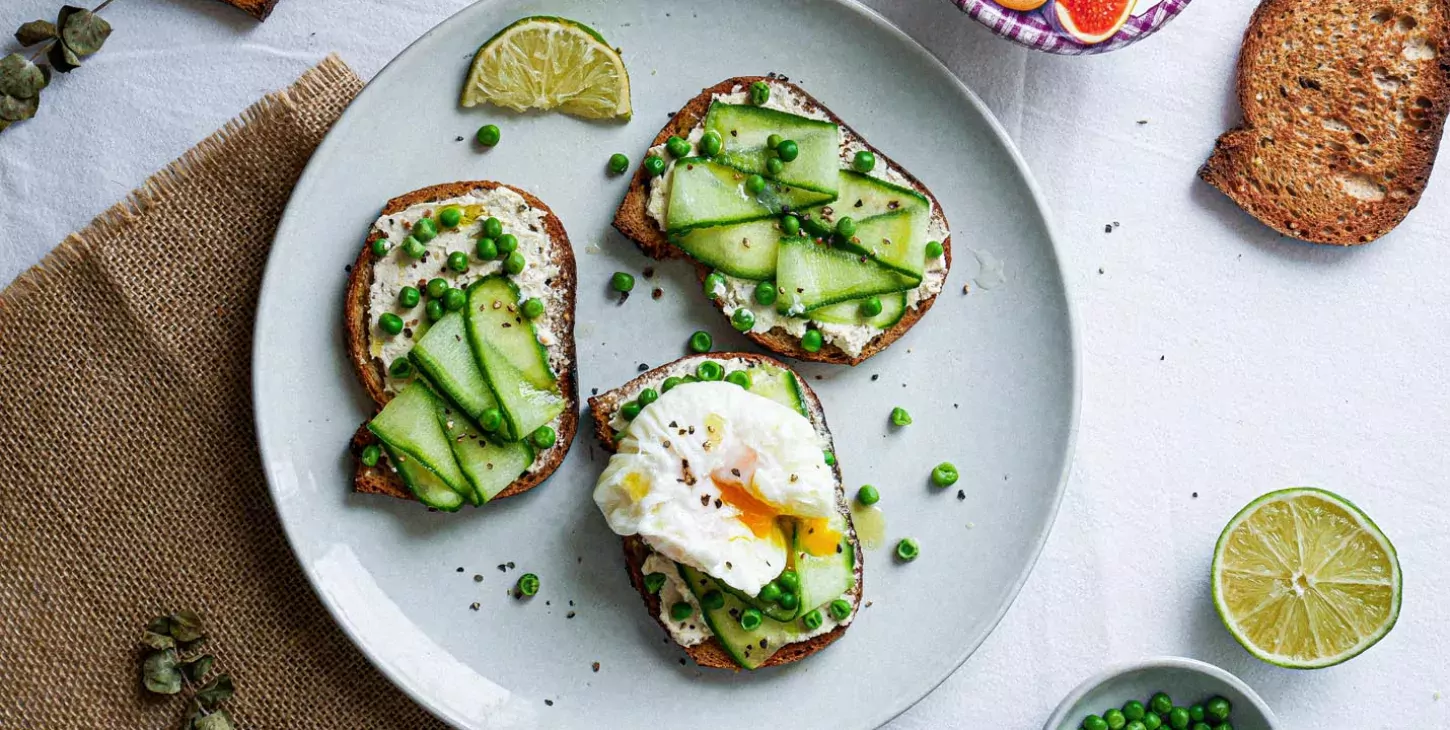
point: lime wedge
(1303, 579)
(542, 62)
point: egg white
(665, 481)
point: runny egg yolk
(816, 537)
(815, 534)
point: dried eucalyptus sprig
(174, 663)
(75, 34)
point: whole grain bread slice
(710, 653)
(1344, 103)
(633, 220)
(382, 480)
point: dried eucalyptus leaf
(186, 626)
(160, 673)
(215, 692)
(36, 31)
(159, 625)
(17, 110)
(62, 58)
(198, 667)
(82, 30)
(218, 720)
(20, 78)
(4, 125)
(153, 640)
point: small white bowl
(1187, 681)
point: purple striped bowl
(1031, 29)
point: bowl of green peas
(1163, 693)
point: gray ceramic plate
(990, 377)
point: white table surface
(1220, 360)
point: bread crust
(1316, 126)
(382, 480)
(632, 220)
(711, 653)
(258, 9)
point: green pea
(654, 165)
(1135, 725)
(491, 419)
(830, 458)
(742, 319)
(765, 293)
(621, 282)
(944, 475)
(654, 582)
(1115, 719)
(414, 248)
(907, 549)
(788, 150)
(868, 495)
(681, 611)
(1133, 710)
(425, 230)
(629, 410)
(618, 163)
(739, 377)
(401, 368)
(434, 309)
(507, 243)
(759, 93)
(1178, 718)
(458, 261)
(436, 287)
(515, 263)
(712, 601)
(871, 307)
(789, 581)
(899, 417)
(409, 297)
(670, 383)
(380, 247)
(370, 455)
(715, 280)
(450, 216)
(1152, 721)
(1093, 722)
(544, 437)
(811, 341)
(754, 184)
(487, 248)
(488, 135)
(454, 300)
(390, 323)
(773, 141)
(750, 619)
(845, 227)
(528, 584)
(710, 370)
(676, 146)
(1161, 703)
(788, 600)
(1217, 709)
(701, 342)
(1196, 713)
(770, 593)
(774, 166)
(647, 396)
(864, 161)
(934, 249)
(711, 143)
(812, 620)
(1201, 726)
(840, 609)
(492, 227)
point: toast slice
(1344, 103)
(370, 370)
(710, 653)
(633, 220)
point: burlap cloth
(130, 483)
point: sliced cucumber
(893, 306)
(746, 250)
(424, 483)
(408, 425)
(745, 130)
(812, 275)
(494, 317)
(745, 647)
(896, 239)
(862, 196)
(445, 358)
(779, 385)
(824, 578)
(490, 467)
(705, 193)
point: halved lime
(1303, 579)
(543, 62)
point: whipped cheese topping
(739, 293)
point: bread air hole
(1382, 16)
(1405, 24)
(1418, 49)
(1362, 187)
